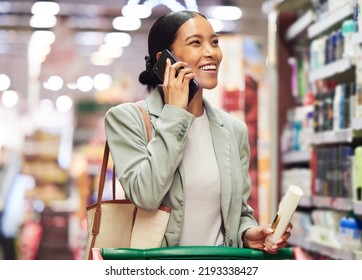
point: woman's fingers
(176, 83)
(167, 71)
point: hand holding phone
(159, 70)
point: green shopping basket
(194, 253)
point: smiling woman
(63, 75)
(197, 162)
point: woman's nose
(209, 50)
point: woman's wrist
(243, 237)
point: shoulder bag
(118, 223)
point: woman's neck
(196, 107)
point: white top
(202, 222)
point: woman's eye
(215, 42)
(196, 42)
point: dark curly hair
(161, 36)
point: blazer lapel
(154, 105)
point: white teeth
(208, 67)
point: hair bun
(146, 78)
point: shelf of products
(283, 5)
(335, 203)
(296, 157)
(330, 20)
(300, 25)
(333, 136)
(330, 70)
(320, 122)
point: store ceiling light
(43, 21)
(45, 8)
(102, 81)
(120, 39)
(43, 37)
(126, 23)
(226, 12)
(64, 103)
(85, 83)
(10, 98)
(100, 59)
(112, 51)
(54, 83)
(4, 82)
(173, 5)
(135, 10)
(191, 5)
(72, 86)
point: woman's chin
(208, 85)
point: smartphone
(159, 70)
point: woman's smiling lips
(208, 67)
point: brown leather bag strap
(102, 178)
(114, 182)
(98, 213)
(147, 121)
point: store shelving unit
(296, 157)
(300, 26)
(356, 124)
(333, 18)
(330, 70)
(297, 25)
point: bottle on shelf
(348, 29)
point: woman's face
(198, 45)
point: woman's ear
(158, 55)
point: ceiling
(99, 14)
(95, 15)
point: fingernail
(288, 230)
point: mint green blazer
(152, 174)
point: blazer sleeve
(146, 170)
(247, 219)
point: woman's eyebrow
(199, 36)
